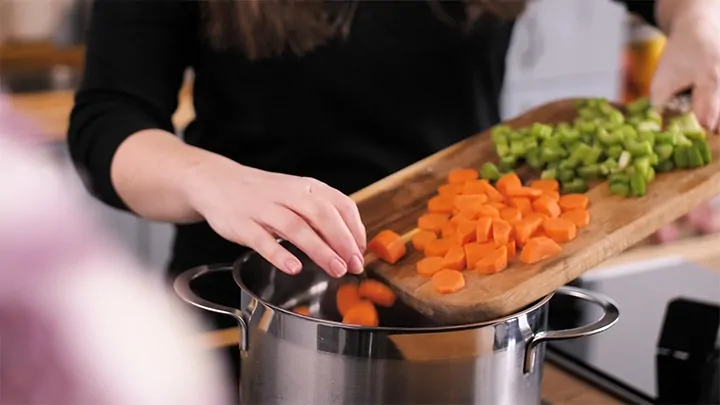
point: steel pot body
(288, 358)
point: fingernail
(293, 266)
(356, 265)
(337, 267)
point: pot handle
(182, 289)
(609, 317)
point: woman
(301, 103)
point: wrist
(671, 13)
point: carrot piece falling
(581, 218)
(507, 182)
(429, 266)
(460, 176)
(420, 239)
(548, 206)
(448, 281)
(484, 225)
(302, 310)
(501, 231)
(377, 293)
(432, 222)
(363, 313)
(439, 247)
(387, 246)
(571, 202)
(494, 262)
(546, 185)
(560, 230)
(476, 251)
(538, 249)
(450, 189)
(454, 259)
(441, 204)
(347, 295)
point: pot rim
(237, 265)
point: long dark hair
(267, 28)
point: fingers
(348, 211)
(260, 240)
(667, 83)
(706, 100)
(292, 227)
(667, 234)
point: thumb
(667, 82)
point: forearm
(668, 12)
(151, 172)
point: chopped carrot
(450, 189)
(510, 214)
(507, 182)
(581, 218)
(429, 265)
(346, 296)
(469, 202)
(488, 211)
(448, 281)
(525, 228)
(420, 239)
(441, 204)
(475, 187)
(363, 313)
(552, 194)
(501, 230)
(496, 204)
(432, 222)
(560, 230)
(494, 262)
(523, 192)
(377, 293)
(546, 205)
(571, 202)
(455, 258)
(466, 232)
(534, 214)
(476, 251)
(484, 225)
(483, 187)
(540, 231)
(387, 246)
(439, 247)
(511, 249)
(302, 310)
(460, 176)
(521, 203)
(538, 249)
(464, 216)
(449, 230)
(546, 184)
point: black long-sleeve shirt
(402, 86)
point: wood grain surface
(616, 224)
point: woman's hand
(252, 207)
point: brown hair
(267, 28)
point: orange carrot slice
(441, 204)
(526, 192)
(487, 211)
(546, 185)
(346, 296)
(421, 238)
(525, 228)
(552, 194)
(302, 310)
(476, 251)
(492, 192)
(571, 202)
(537, 249)
(448, 281)
(511, 250)
(560, 230)
(469, 202)
(460, 176)
(521, 203)
(484, 225)
(377, 293)
(387, 246)
(581, 218)
(455, 258)
(475, 187)
(510, 214)
(429, 265)
(501, 230)
(439, 247)
(432, 222)
(495, 262)
(464, 216)
(546, 205)
(507, 182)
(450, 189)
(449, 230)
(466, 232)
(495, 204)
(363, 313)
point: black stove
(666, 345)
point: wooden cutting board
(616, 224)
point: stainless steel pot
(288, 358)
